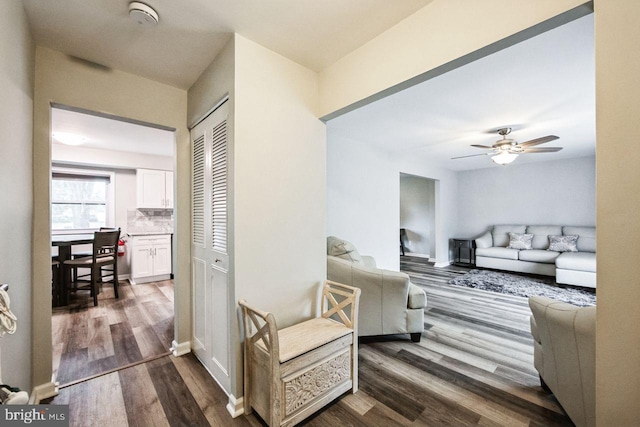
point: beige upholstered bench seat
(306, 336)
(293, 372)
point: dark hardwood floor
(90, 340)
(474, 366)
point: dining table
(65, 243)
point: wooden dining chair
(104, 253)
(82, 254)
(55, 282)
(86, 253)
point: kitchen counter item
(149, 233)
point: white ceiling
(110, 134)
(314, 33)
(542, 86)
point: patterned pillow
(563, 243)
(520, 241)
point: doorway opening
(417, 216)
(110, 173)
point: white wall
(617, 69)
(617, 110)
(558, 192)
(426, 44)
(446, 214)
(215, 83)
(280, 184)
(62, 80)
(363, 198)
(75, 155)
(617, 107)
(277, 189)
(16, 209)
(279, 179)
(417, 213)
(123, 165)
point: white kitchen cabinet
(150, 258)
(154, 189)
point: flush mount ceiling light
(142, 14)
(69, 138)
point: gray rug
(524, 286)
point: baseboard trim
(141, 280)
(235, 406)
(180, 349)
(442, 264)
(417, 255)
(43, 391)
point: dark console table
(464, 252)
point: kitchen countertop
(149, 233)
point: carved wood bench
(291, 373)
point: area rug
(524, 286)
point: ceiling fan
(506, 150)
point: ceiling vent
(142, 14)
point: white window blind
(79, 200)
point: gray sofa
(564, 354)
(389, 302)
(572, 268)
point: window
(81, 199)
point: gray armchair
(565, 355)
(389, 302)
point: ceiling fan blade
(538, 141)
(472, 155)
(542, 150)
(482, 146)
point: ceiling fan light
(504, 158)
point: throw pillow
(563, 243)
(520, 241)
(342, 249)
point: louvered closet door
(210, 258)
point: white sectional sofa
(572, 268)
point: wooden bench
(291, 373)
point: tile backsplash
(149, 220)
